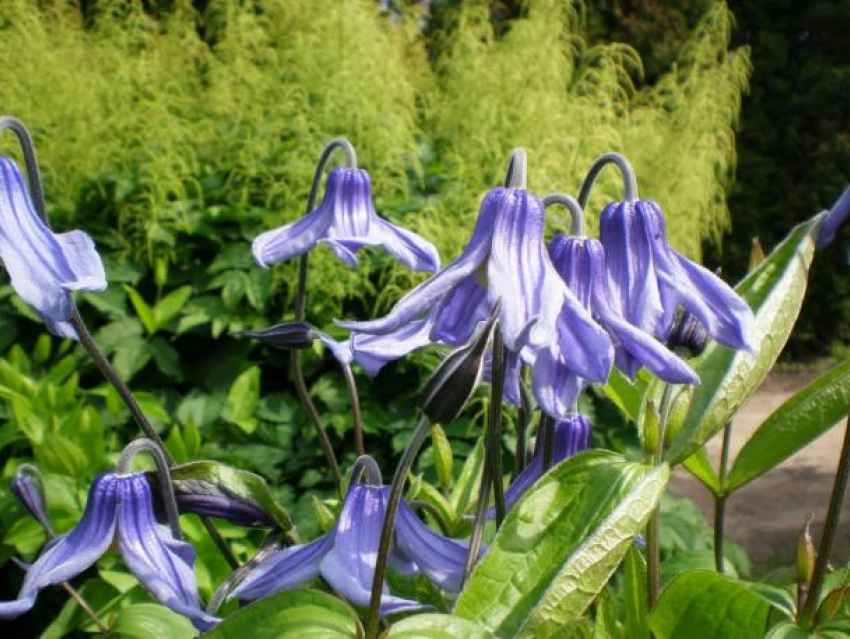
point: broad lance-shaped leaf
(435, 626)
(775, 292)
(703, 603)
(218, 490)
(560, 544)
(292, 614)
(801, 419)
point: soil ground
(767, 516)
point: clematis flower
(346, 556)
(580, 261)
(345, 221)
(649, 280)
(569, 437)
(44, 267)
(119, 508)
(834, 219)
(504, 260)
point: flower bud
(286, 335)
(687, 335)
(28, 487)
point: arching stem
(9, 123)
(417, 440)
(517, 173)
(163, 477)
(572, 205)
(493, 438)
(630, 189)
(524, 413)
(356, 414)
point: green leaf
(145, 312)
(292, 614)
(728, 377)
(214, 478)
(634, 594)
(703, 603)
(627, 395)
(170, 306)
(433, 626)
(788, 630)
(800, 420)
(700, 467)
(463, 493)
(243, 399)
(560, 543)
(152, 621)
(443, 458)
(606, 617)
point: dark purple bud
(227, 507)
(286, 335)
(688, 334)
(836, 217)
(453, 383)
(28, 487)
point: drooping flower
(119, 507)
(580, 261)
(27, 486)
(345, 221)
(346, 556)
(44, 267)
(504, 260)
(570, 436)
(649, 280)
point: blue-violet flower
(345, 221)
(119, 506)
(44, 267)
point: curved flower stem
(368, 467)
(493, 439)
(478, 525)
(111, 375)
(13, 124)
(517, 174)
(523, 418)
(431, 509)
(653, 547)
(356, 415)
(833, 517)
(420, 434)
(572, 205)
(630, 189)
(301, 309)
(720, 500)
(166, 488)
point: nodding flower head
(649, 280)
(120, 508)
(346, 556)
(504, 260)
(45, 267)
(345, 221)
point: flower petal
(42, 266)
(349, 567)
(291, 240)
(422, 298)
(161, 563)
(415, 252)
(372, 352)
(69, 555)
(439, 558)
(834, 219)
(460, 311)
(285, 569)
(555, 386)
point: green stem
(574, 208)
(546, 437)
(523, 417)
(630, 189)
(356, 414)
(478, 526)
(493, 439)
(163, 477)
(653, 533)
(720, 501)
(33, 174)
(417, 440)
(833, 517)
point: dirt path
(766, 516)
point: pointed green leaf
(433, 626)
(243, 399)
(463, 492)
(700, 467)
(728, 377)
(144, 311)
(292, 614)
(796, 423)
(170, 306)
(443, 458)
(703, 603)
(152, 621)
(634, 594)
(560, 544)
